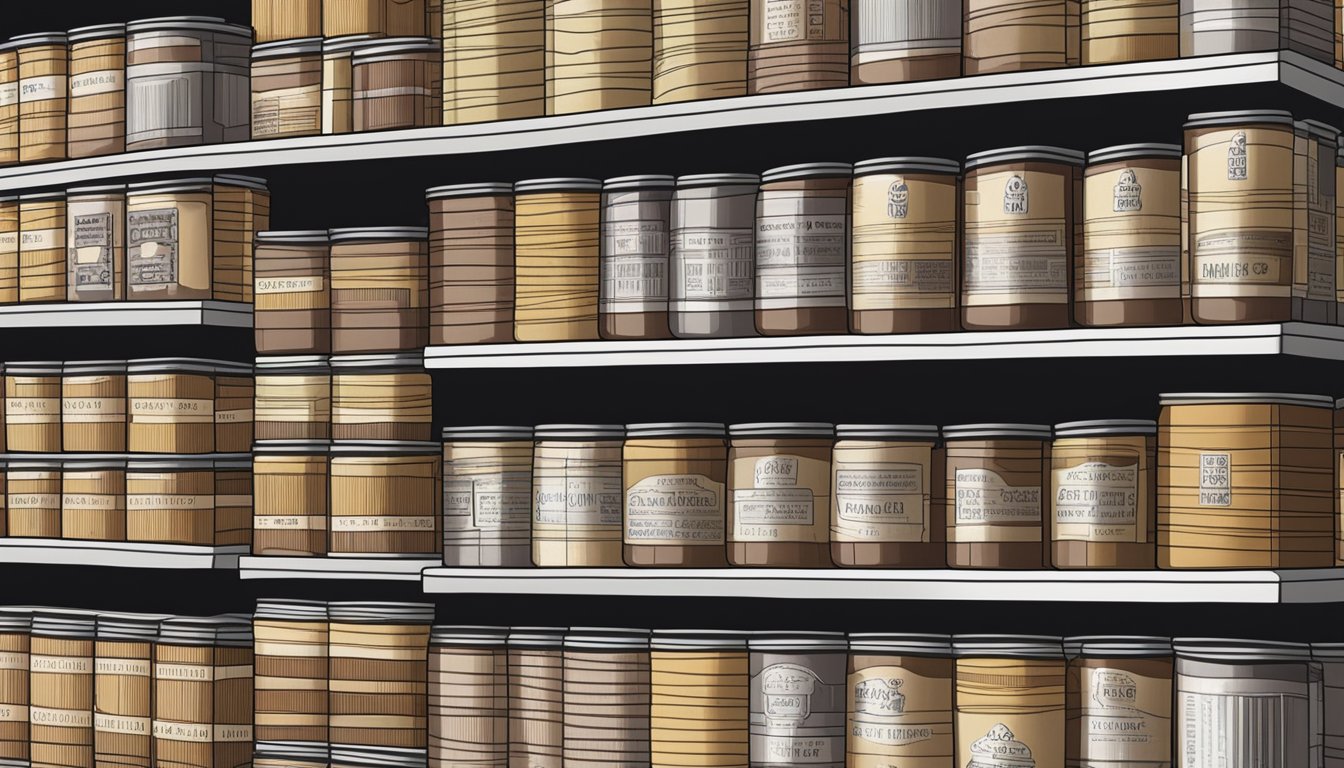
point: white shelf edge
(226, 314)
(362, 568)
(1316, 79)
(119, 554)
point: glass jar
(797, 699)
(899, 700)
(1010, 699)
(606, 695)
(487, 496)
(1118, 701)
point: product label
(1127, 196)
(158, 501)
(92, 410)
(1016, 241)
(32, 410)
(578, 501)
(234, 416)
(60, 718)
(42, 88)
(904, 276)
(1000, 748)
(131, 726)
(74, 665)
(151, 247)
(800, 251)
(201, 734)
(304, 284)
(9, 94)
(775, 496)
(91, 250)
(674, 509)
(492, 502)
(13, 713)
(776, 472)
(171, 410)
(1243, 256)
(9, 242)
(38, 501)
(792, 20)
(1215, 479)
(94, 83)
(1238, 161)
(1015, 200)
(201, 673)
(41, 239)
(1126, 717)
(790, 694)
(985, 499)
(634, 266)
(884, 503)
(289, 522)
(97, 502)
(129, 667)
(1096, 501)
(714, 267)
(13, 660)
(898, 199)
(893, 707)
(342, 524)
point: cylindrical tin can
(996, 479)
(61, 688)
(797, 699)
(487, 496)
(33, 498)
(379, 18)
(397, 83)
(292, 290)
(1010, 699)
(713, 256)
(779, 494)
(636, 217)
(1212, 27)
(468, 696)
(558, 235)
(203, 691)
(674, 494)
(42, 227)
(338, 114)
(1005, 36)
(888, 486)
(287, 88)
(97, 119)
(606, 721)
(899, 700)
(699, 49)
(123, 693)
(293, 398)
(379, 289)
(599, 55)
(286, 20)
(1117, 31)
(385, 499)
(1118, 701)
(494, 60)
(33, 407)
(291, 682)
(536, 697)
(699, 697)
(1103, 500)
(290, 517)
(471, 263)
(903, 42)
(378, 678)
(798, 45)
(43, 95)
(93, 500)
(576, 492)
(380, 397)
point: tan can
(904, 42)
(1117, 31)
(385, 499)
(903, 245)
(675, 477)
(95, 243)
(97, 88)
(887, 486)
(287, 88)
(1245, 480)
(1009, 698)
(798, 45)
(599, 55)
(996, 484)
(338, 114)
(1103, 494)
(899, 702)
(60, 683)
(169, 240)
(607, 692)
(381, 397)
(15, 637)
(290, 514)
(471, 263)
(33, 407)
(9, 249)
(1004, 36)
(44, 70)
(494, 56)
(487, 496)
(292, 293)
(1118, 696)
(558, 239)
(290, 642)
(379, 673)
(779, 494)
(203, 692)
(536, 697)
(123, 690)
(293, 398)
(469, 696)
(698, 697)
(379, 290)
(9, 103)
(397, 83)
(699, 49)
(242, 208)
(195, 500)
(381, 18)
(576, 493)
(42, 247)
(188, 405)
(93, 500)
(286, 19)
(33, 498)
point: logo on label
(1128, 193)
(879, 697)
(898, 199)
(787, 689)
(1114, 690)
(1237, 165)
(1000, 749)
(1015, 195)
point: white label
(578, 501)
(492, 502)
(342, 524)
(41, 239)
(785, 20)
(716, 266)
(1096, 501)
(39, 501)
(776, 472)
(131, 726)
(289, 523)
(201, 673)
(131, 667)
(75, 665)
(772, 506)
(674, 509)
(60, 718)
(201, 734)
(9, 94)
(13, 660)
(800, 257)
(305, 284)
(1215, 480)
(13, 713)
(984, 498)
(94, 83)
(1119, 723)
(42, 88)
(634, 266)
(1230, 724)
(159, 501)
(891, 497)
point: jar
(800, 278)
(286, 83)
(1118, 701)
(397, 83)
(291, 674)
(1250, 701)
(9, 241)
(385, 500)
(289, 518)
(1129, 272)
(636, 216)
(286, 20)
(1118, 31)
(292, 286)
(797, 699)
(381, 397)
(42, 247)
(903, 277)
(293, 398)
(95, 240)
(169, 234)
(905, 42)
(1214, 507)
(33, 498)
(889, 509)
(699, 52)
(495, 61)
(97, 91)
(995, 476)
(713, 256)
(379, 289)
(379, 18)
(699, 680)
(1003, 36)
(487, 496)
(798, 46)
(15, 628)
(379, 668)
(598, 55)
(44, 68)
(1212, 27)
(899, 700)
(468, 696)
(779, 494)
(1021, 233)
(1103, 494)
(576, 491)
(196, 500)
(9, 115)
(536, 696)
(93, 500)
(60, 686)
(607, 686)
(188, 405)
(557, 237)
(33, 407)
(123, 682)
(203, 691)
(1331, 658)
(471, 264)
(186, 82)
(674, 477)
(338, 82)
(1010, 699)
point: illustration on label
(91, 255)
(1215, 480)
(879, 696)
(1128, 193)
(898, 199)
(1015, 196)
(151, 246)
(1000, 749)
(787, 690)
(1238, 165)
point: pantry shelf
(1288, 69)
(118, 554)
(1321, 585)
(222, 314)
(361, 568)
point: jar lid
(37, 38)
(293, 236)
(485, 433)
(805, 642)
(1330, 652)
(1008, 646)
(131, 627)
(96, 32)
(1033, 153)
(886, 432)
(170, 185)
(377, 234)
(649, 181)
(292, 364)
(53, 622)
(185, 365)
(469, 637)
(695, 180)
(291, 447)
(558, 184)
(904, 644)
(236, 180)
(698, 639)
(1247, 398)
(1224, 650)
(394, 48)
(34, 368)
(37, 197)
(1132, 152)
(168, 462)
(385, 448)
(1106, 427)
(580, 432)
(297, 751)
(291, 610)
(15, 619)
(378, 757)
(807, 171)
(676, 429)
(489, 189)
(295, 47)
(93, 367)
(346, 43)
(607, 638)
(200, 23)
(229, 630)
(537, 637)
(782, 429)
(906, 165)
(1239, 117)
(388, 363)
(361, 612)
(1116, 646)
(995, 431)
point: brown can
(1118, 701)
(97, 119)
(802, 249)
(607, 718)
(9, 104)
(636, 217)
(888, 509)
(1010, 699)
(381, 397)
(675, 476)
(93, 500)
(699, 695)
(1103, 498)
(558, 235)
(487, 496)
(471, 263)
(379, 675)
(9, 247)
(536, 697)
(286, 19)
(576, 492)
(1215, 507)
(798, 45)
(996, 480)
(290, 642)
(1022, 230)
(903, 269)
(904, 42)
(15, 637)
(42, 247)
(379, 289)
(1117, 31)
(203, 692)
(598, 55)
(61, 664)
(287, 88)
(385, 499)
(292, 289)
(900, 701)
(397, 83)
(293, 398)
(381, 18)
(494, 60)
(469, 696)
(95, 239)
(123, 682)
(197, 500)
(33, 407)
(779, 495)
(699, 49)
(290, 512)
(1004, 36)
(33, 498)
(44, 70)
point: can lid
(807, 171)
(558, 184)
(377, 234)
(1029, 153)
(281, 364)
(1222, 649)
(485, 433)
(361, 612)
(469, 637)
(798, 641)
(1107, 646)
(295, 47)
(54, 622)
(537, 637)
(648, 181)
(167, 462)
(292, 236)
(290, 447)
(378, 757)
(186, 365)
(1239, 117)
(1250, 398)
(34, 368)
(676, 429)
(300, 751)
(21, 462)
(1319, 130)
(391, 362)
(92, 462)
(1008, 646)
(200, 23)
(484, 189)
(905, 644)
(84, 367)
(346, 43)
(580, 432)
(385, 447)
(782, 429)
(195, 184)
(997, 431)
(1333, 652)
(1106, 427)
(100, 190)
(906, 165)
(14, 619)
(134, 627)
(96, 32)
(694, 180)
(698, 639)
(390, 46)
(237, 180)
(1133, 151)
(291, 610)
(37, 197)
(38, 38)
(886, 432)
(607, 637)
(233, 630)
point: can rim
(277, 48)
(889, 431)
(489, 433)
(98, 189)
(822, 170)
(1008, 646)
(388, 46)
(96, 32)
(644, 181)
(1130, 151)
(782, 429)
(1117, 645)
(1025, 153)
(390, 361)
(800, 641)
(482, 189)
(206, 23)
(1248, 398)
(293, 236)
(1239, 117)
(1218, 649)
(1106, 427)
(906, 164)
(1001, 430)
(914, 644)
(567, 432)
(376, 234)
(697, 180)
(676, 429)
(558, 184)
